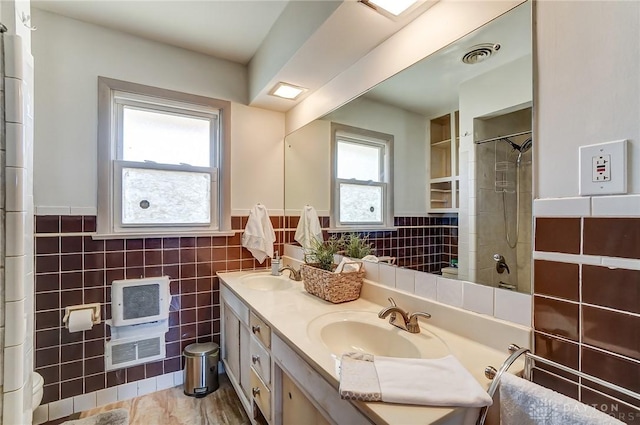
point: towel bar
(529, 363)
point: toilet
(37, 387)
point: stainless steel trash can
(201, 369)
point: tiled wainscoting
(587, 298)
(58, 411)
(73, 268)
(425, 244)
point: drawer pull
(255, 391)
(255, 359)
(255, 329)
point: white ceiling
(430, 87)
(236, 29)
(231, 30)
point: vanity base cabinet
(235, 346)
(296, 407)
(323, 396)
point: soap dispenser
(275, 265)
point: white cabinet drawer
(260, 360)
(261, 395)
(260, 329)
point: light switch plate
(603, 168)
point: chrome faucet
(293, 273)
(401, 319)
(501, 264)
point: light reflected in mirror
(460, 161)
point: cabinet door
(296, 407)
(245, 360)
(232, 342)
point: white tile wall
(127, 391)
(562, 207)
(146, 386)
(513, 306)
(371, 270)
(615, 206)
(15, 334)
(387, 275)
(107, 396)
(405, 280)
(477, 298)
(164, 381)
(449, 291)
(458, 293)
(84, 402)
(18, 231)
(178, 378)
(426, 285)
(41, 414)
(60, 409)
(13, 367)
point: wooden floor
(172, 407)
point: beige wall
(70, 55)
(588, 87)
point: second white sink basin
(362, 331)
(266, 282)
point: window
(362, 178)
(161, 159)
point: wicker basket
(333, 287)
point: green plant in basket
(357, 246)
(321, 253)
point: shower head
(524, 147)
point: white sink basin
(362, 331)
(266, 282)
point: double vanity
(281, 348)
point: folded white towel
(258, 236)
(370, 258)
(347, 265)
(308, 228)
(526, 403)
(428, 382)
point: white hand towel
(258, 236)
(432, 382)
(347, 265)
(526, 403)
(308, 228)
(427, 382)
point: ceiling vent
(479, 53)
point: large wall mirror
(433, 164)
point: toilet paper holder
(95, 315)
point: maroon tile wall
(587, 317)
(420, 243)
(73, 268)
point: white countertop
(289, 312)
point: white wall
(70, 55)
(309, 155)
(308, 168)
(486, 94)
(588, 87)
(409, 148)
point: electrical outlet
(603, 168)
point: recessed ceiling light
(395, 7)
(287, 91)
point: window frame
(113, 96)
(365, 137)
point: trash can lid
(201, 349)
